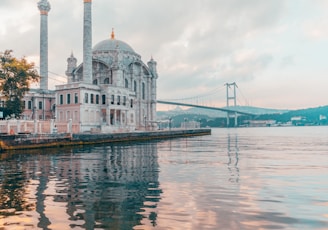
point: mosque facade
(121, 95)
(111, 90)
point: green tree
(16, 75)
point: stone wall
(33, 141)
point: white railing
(37, 127)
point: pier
(35, 141)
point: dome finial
(113, 34)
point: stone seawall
(33, 141)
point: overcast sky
(275, 50)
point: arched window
(95, 82)
(106, 81)
(126, 83)
(134, 86)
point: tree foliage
(16, 75)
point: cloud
(287, 61)
(198, 45)
(213, 40)
(316, 29)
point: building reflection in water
(104, 187)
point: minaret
(87, 43)
(152, 65)
(71, 66)
(44, 8)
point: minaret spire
(44, 8)
(112, 36)
(87, 42)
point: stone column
(35, 127)
(69, 126)
(87, 42)
(52, 126)
(18, 126)
(44, 8)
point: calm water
(250, 178)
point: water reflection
(234, 179)
(102, 187)
(233, 158)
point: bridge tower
(231, 96)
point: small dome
(111, 45)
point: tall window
(97, 99)
(124, 100)
(134, 86)
(118, 99)
(126, 83)
(91, 98)
(76, 98)
(40, 104)
(112, 99)
(86, 98)
(143, 91)
(61, 99)
(103, 99)
(131, 103)
(68, 98)
(29, 104)
(23, 104)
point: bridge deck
(204, 107)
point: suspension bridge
(231, 102)
(205, 107)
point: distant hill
(310, 115)
(213, 118)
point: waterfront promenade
(33, 141)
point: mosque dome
(112, 44)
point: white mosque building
(120, 96)
(112, 90)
